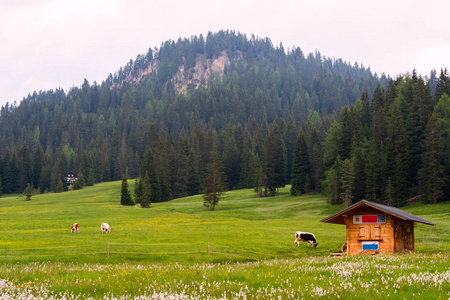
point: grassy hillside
(242, 228)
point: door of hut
(369, 232)
(404, 236)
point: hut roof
(338, 218)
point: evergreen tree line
(393, 148)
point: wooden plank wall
(357, 233)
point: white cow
(75, 228)
(105, 228)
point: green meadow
(182, 250)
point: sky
(49, 44)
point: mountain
(163, 112)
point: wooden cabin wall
(381, 232)
(404, 235)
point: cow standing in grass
(75, 228)
(305, 237)
(105, 228)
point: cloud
(48, 44)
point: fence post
(107, 246)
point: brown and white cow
(105, 228)
(305, 237)
(75, 228)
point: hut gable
(71, 177)
(373, 227)
(338, 218)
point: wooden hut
(71, 177)
(376, 228)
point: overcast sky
(46, 44)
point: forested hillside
(164, 112)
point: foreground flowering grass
(408, 276)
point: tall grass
(409, 276)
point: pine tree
(333, 181)
(231, 159)
(396, 157)
(374, 170)
(443, 85)
(345, 134)
(80, 179)
(348, 177)
(59, 186)
(359, 171)
(388, 198)
(125, 197)
(214, 181)
(138, 190)
(28, 192)
(91, 177)
(77, 185)
(315, 152)
(435, 173)
(148, 166)
(301, 169)
(38, 164)
(45, 179)
(147, 190)
(274, 160)
(8, 176)
(181, 169)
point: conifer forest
(260, 115)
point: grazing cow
(105, 228)
(75, 228)
(305, 237)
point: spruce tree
(301, 169)
(149, 166)
(77, 185)
(348, 177)
(125, 197)
(138, 190)
(274, 160)
(59, 186)
(435, 173)
(91, 177)
(214, 181)
(260, 179)
(147, 190)
(359, 171)
(28, 192)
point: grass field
(180, 249)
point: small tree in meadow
(60, 187)
(77, 185)
(214, 182)
(28, 192)
(125, 197)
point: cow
(105, 228)
(306, 237)
(75, 228)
